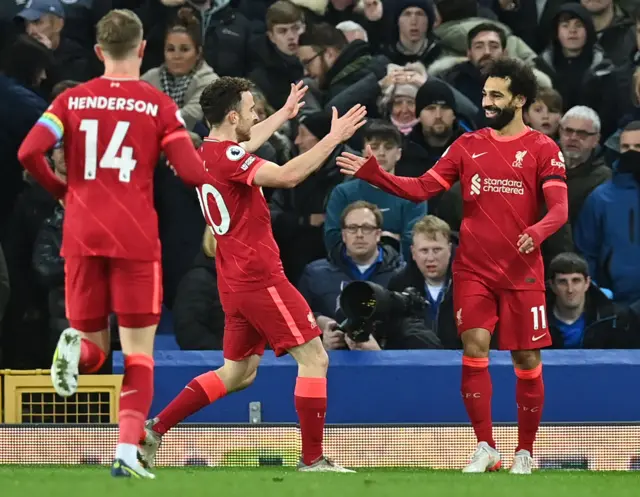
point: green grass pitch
(88, 481)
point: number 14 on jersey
(115, 156)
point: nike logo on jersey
(475, 156)
(535, 339)
(127, 392)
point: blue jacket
(608, 236)
(399, 215)
(323, 280)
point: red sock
(476, 393)
(92, 357)
(530, 399)
(199, 393)
(311, 405)
(135, 397)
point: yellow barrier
(30, 398)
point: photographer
(359, 258)
(429, 272)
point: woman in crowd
(184, 74)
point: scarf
(176, 86)
(404, 128)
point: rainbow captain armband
(53, 124)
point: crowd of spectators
(418, 67)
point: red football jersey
(112, 131)
(247, 256)
(501, 180)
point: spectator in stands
(429, 271)
(336, 66)
(611, 91)
(359, 257)
(275, 64)
(544, 114)
(184, 74)
(384, 141)
(399, 89)
(353, 31)
(580, 316)
(486, 42)
(180, 224)
(47, 262)
(573, 52)
(23, 68)
(461, 16)
(197, 313)
(298, 214)
(608, 227)
(437, 128)
(412, 25)
(613, 27)
(44, 20)
(226, 33)
(579, 137)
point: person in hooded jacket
(573, 53)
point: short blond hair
(430, 226)
(119, 33)
(209, 243)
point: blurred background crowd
(418, 67)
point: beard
(243, 133)
(502, 118)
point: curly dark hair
(522, 80)
(223, 96)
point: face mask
(630, 162)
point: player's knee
(94, 325)
(249, 379)
(476, 343)
(311, 357)
(525, 359)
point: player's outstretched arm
(299, 168)
(261, 132)
(435, 180)
(32, 157)
(555, 196)
(183, 157)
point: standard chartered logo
(492, 185)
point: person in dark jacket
(573, 53)
(613, 28)
(5, 291)
(607, 232)
(298, 214)
(359, 258)
(580, 315)
(429, 272)
(197, 312)
(336, 65)
(275, 65)
(44, 21)
(24, 66)
(413, 40)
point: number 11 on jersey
(539, 317)
(110, 160)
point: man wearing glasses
(359, 257)
(579, 138)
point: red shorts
(97, 286)
(520, 314)
(278, 315)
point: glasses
(366, 229)
(580, 133)
(306, 63)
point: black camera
(367, 305)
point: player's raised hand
(350, 164)
(294, 103)
(345, 127)
(526, 243)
